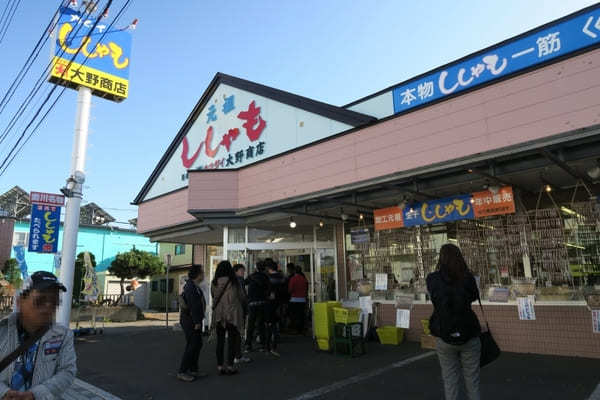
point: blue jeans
(458, 363)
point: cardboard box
(428, 342)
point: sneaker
(242, 359)
(275, 354)
(198, 374)
(185, 377)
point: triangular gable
(237, 123)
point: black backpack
(455, 317)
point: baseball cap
(43, 280)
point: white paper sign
(381, 281)
(402, 318)
(366, 304)
(526, 309)
(596, 321)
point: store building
(497, 152)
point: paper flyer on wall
(596, 321)
(526, 308)
(366, 304)
(403, 319)
(381, 281)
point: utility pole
(168, 262)
(74, 192)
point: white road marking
(358, 378)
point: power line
(4, 164)
(4, 13)
(49, 94)
(37, 86)
(9, 19)
(32, 57)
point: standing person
(298, 289)
(228, 300)
(240, 273)
(277, 296)
(287, 319)
(193, 309)
(46, 367)
(258, 292)
(452, 289)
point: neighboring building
(497, 152)
(104, 241)
(182, 256)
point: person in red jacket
(298, 289)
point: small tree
(135, 264)
(12, 273)
(80, 273)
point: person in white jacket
(48, 367)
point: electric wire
(36, 88)
(4, 166)
(9, 20)
(32, 57)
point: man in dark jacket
(277, 296)
(258, 292)
(192, 314)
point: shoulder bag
(213, 324)
(22, 348)
(489, 349)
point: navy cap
(43, 280)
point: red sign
(388, 218)
(490, 203)
(47, 199)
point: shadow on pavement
(141, 363)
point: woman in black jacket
(191, 317)
(452, 289)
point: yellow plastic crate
(425, 324)
(346, 315)
(390, 335)
(323, 319)
(323, 344)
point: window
(154, 286)
(163, 285)
(179, 249)
(21, 239)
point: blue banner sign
(439, 211)
(43, 231)
(20, 257)
(557, 40)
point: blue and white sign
(44, 227)
(439, 211)
(560, 39)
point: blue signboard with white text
(557, 40)
(44, 227)
(439, 211)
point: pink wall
(164, 211)
(213, 190)
(542, 103)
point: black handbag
(489, 348)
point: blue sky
(333, 51)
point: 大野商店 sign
(103, 62)
(475, 205)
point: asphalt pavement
(141, 363)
